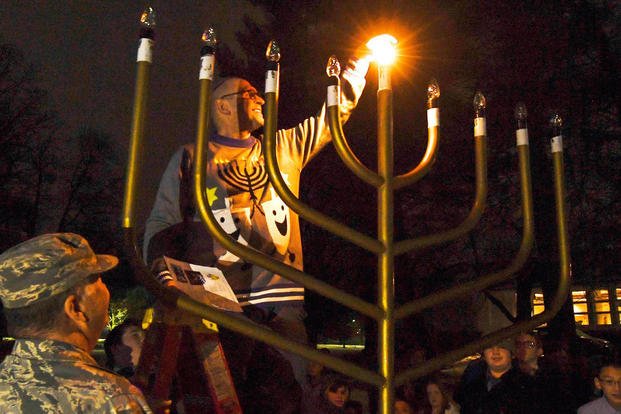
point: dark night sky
(86, 50)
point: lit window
(538, 305)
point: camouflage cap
(47, 265)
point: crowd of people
(56, 306)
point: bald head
(236, 108)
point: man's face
(498, 359)
(609, 381)
(245, 105)
(526, 349)
(94, 301)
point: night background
(67, 72)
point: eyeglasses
(610, 382)
(528, 344)
(245, 94)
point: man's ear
(597, 383)
(73, 309)
(222, 106)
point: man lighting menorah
(244, 202)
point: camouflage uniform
(47, 376)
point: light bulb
(209, 37)
(433, 92)
(521, 113)
(556, 122)
(333, 67)
(383, 49)
(479, 104)
(147, 18)
(272, 53)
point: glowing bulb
(479, 104)
(520, 112)
(209, 37)
(333, 68)
(147, 18)
(383, 49)
(272, 53)
(433, 92)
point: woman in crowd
(335, 393)
(439, 399)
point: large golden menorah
(385, 311)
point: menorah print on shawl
(249, 177)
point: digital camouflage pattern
(47, 265)
(52, 377)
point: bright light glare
(383, 49)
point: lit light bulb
(272, 53)
(433, 92)
(209, 37)
(333, 67)
(147, 18)
(383, 49)
(479, 104)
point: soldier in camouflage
(56, 306)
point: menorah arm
(491, 279)
(305, 211)
(425, 164)
(474, 215)
(175, 299)
(442, 361)
(559, 299)
(345, 152)
(135, 142)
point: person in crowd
(56, 306)
(334, 394)
(528, 350)
(563, 377)
(479, 390)
(244, 201)
(439, 398)
(412, 390)
(402, 406)
(608, 381)
(123, 346)
(312, 387)
(353, 407)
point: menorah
(385, 312)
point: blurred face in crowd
(434, 395)
(498, 360)
(314, 369)
(526, 348)
(609, 381)
(132, 338)
(402, 407)
(338, 397)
